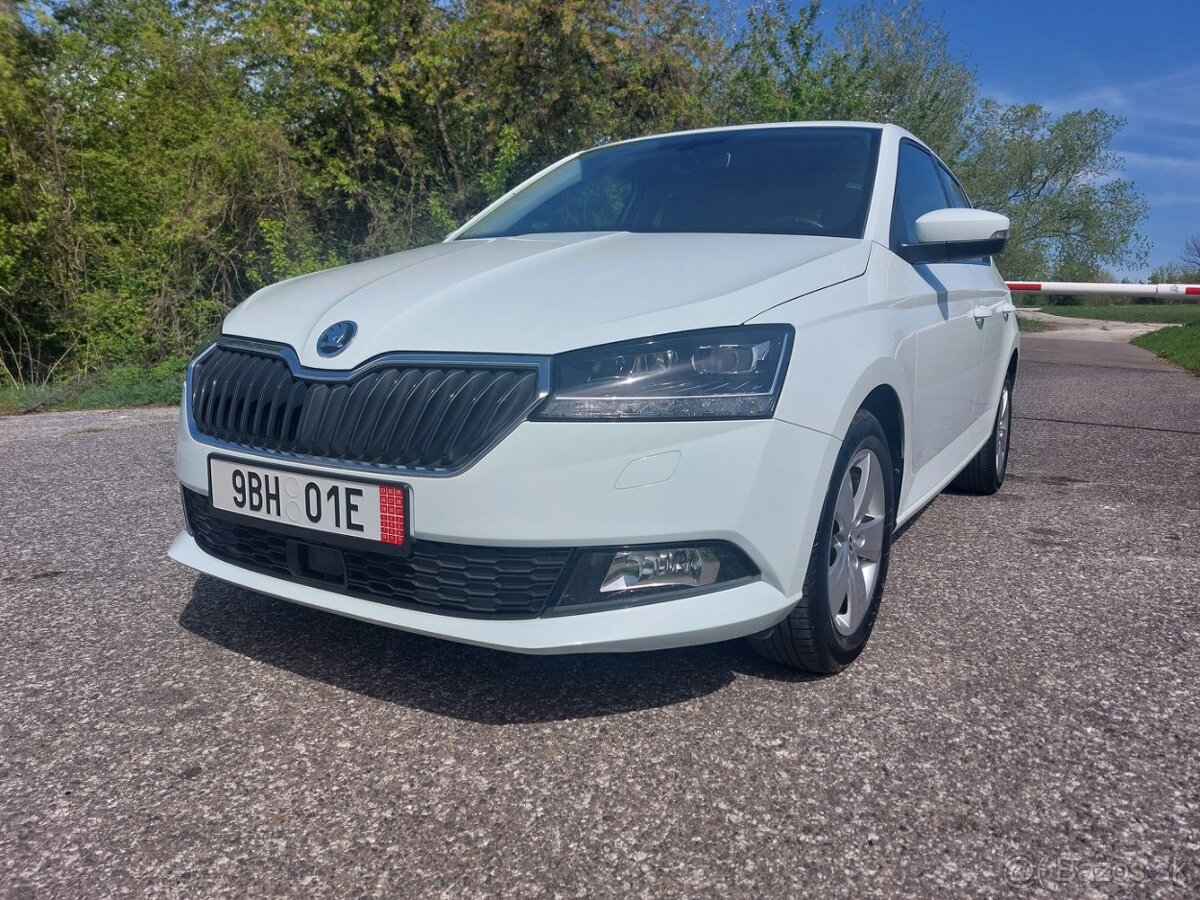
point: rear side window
(958, 197)
(918, 190)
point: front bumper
(718, 616)
(756, 484)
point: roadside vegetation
(158, 385)
(161, 161)
(1178, 345)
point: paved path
(1049, 347)
(1028, 711)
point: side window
(918, 191)
(958, 197)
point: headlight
(727, 373)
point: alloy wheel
(856, 547)
(1003, 424)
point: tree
(528, 81)
(409, 116)
(886, 65)
(1055, 180)
(1190, 257)
(161, 159)
(907, 74)
(146, 182)
(38, 254)
(1186, 270)
(780, 69)
(1174, 273)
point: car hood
(544, 294)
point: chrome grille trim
(313, 379)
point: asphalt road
(1026, 718)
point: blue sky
(1134, 58)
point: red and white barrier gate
(1171, 291)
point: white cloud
(1173, 199)
(1130, 96)
(1178, 165)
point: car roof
(885, 127)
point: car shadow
(457, 680)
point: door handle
(1006, 307)
(984, 312)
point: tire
(985, 472)
(824, 633)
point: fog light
(633, 570)
(614, 577)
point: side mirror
(949, 234)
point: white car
(668, 391)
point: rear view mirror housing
(944, 235)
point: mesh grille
(408, 416)
(455, 579)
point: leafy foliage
(1190, 258)
(1174, 273)
(162, 159)
(1186, 270)
(148, 176)
(780, 70)
(911, 78)
(1052, 178)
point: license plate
(342, 507)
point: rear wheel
(985, 472)
(830, 625)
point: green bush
(123, 386)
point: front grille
(436, 418)
(454, 579)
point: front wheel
(830, 625)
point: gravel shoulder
(1069, 328)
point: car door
(995, 305)
(948, 338)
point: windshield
(755, 181)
